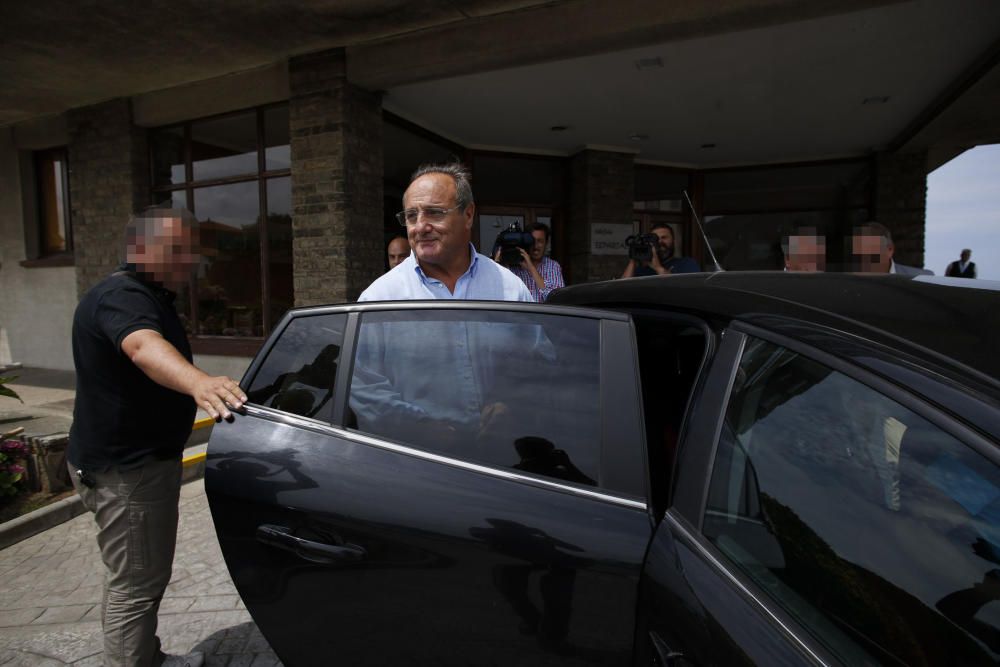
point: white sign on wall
(608, 239)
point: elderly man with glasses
(449, 379)
(438, 212)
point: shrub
(12, 455)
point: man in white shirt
(438, 212)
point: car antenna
(703, 235)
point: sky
(963, 211)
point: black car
(712, 469)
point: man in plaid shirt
(541, 274)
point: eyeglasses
(433, 215)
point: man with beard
(664, 261)
(540, 274)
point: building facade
(293, 144)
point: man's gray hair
(458, 172)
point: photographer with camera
(653, 254)
(539, 273)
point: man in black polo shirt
(136, 397)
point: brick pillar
(336, 144)
(108, 182)
(900, 202)
(602, 188)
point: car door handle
(315, 552)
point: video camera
(509, 240)
(642, 246)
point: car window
(298, 373)
(878, 531)
(504, 388)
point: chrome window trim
(467, 306)
(690, 538)
(322, 427)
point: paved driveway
(50, 585)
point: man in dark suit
(872, 250)
(962, 268)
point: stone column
(602, 188)
(108, 182)
(900, 202)
(336, 144)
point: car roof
(950, 318)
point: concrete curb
(32, 523)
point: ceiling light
(638, 137)
(877, 99)
(649, 63)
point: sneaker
(194, 659)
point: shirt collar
(154, 286)
(471, 271)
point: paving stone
(70, 614)
(233, 645)
(64, 646)
(221, 589)
(175, 605)
(18, 617)
(214, 603)
(28, 659)
(257, 643)
(200, 611)
(81, 595)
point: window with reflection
(233, 173)
(53, 202)
(875, 529)
(507, 389)
(298, 374)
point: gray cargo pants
(136, 515)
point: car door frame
(624, 479)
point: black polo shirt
(121, 417)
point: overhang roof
(762, 80)
(911, 76)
